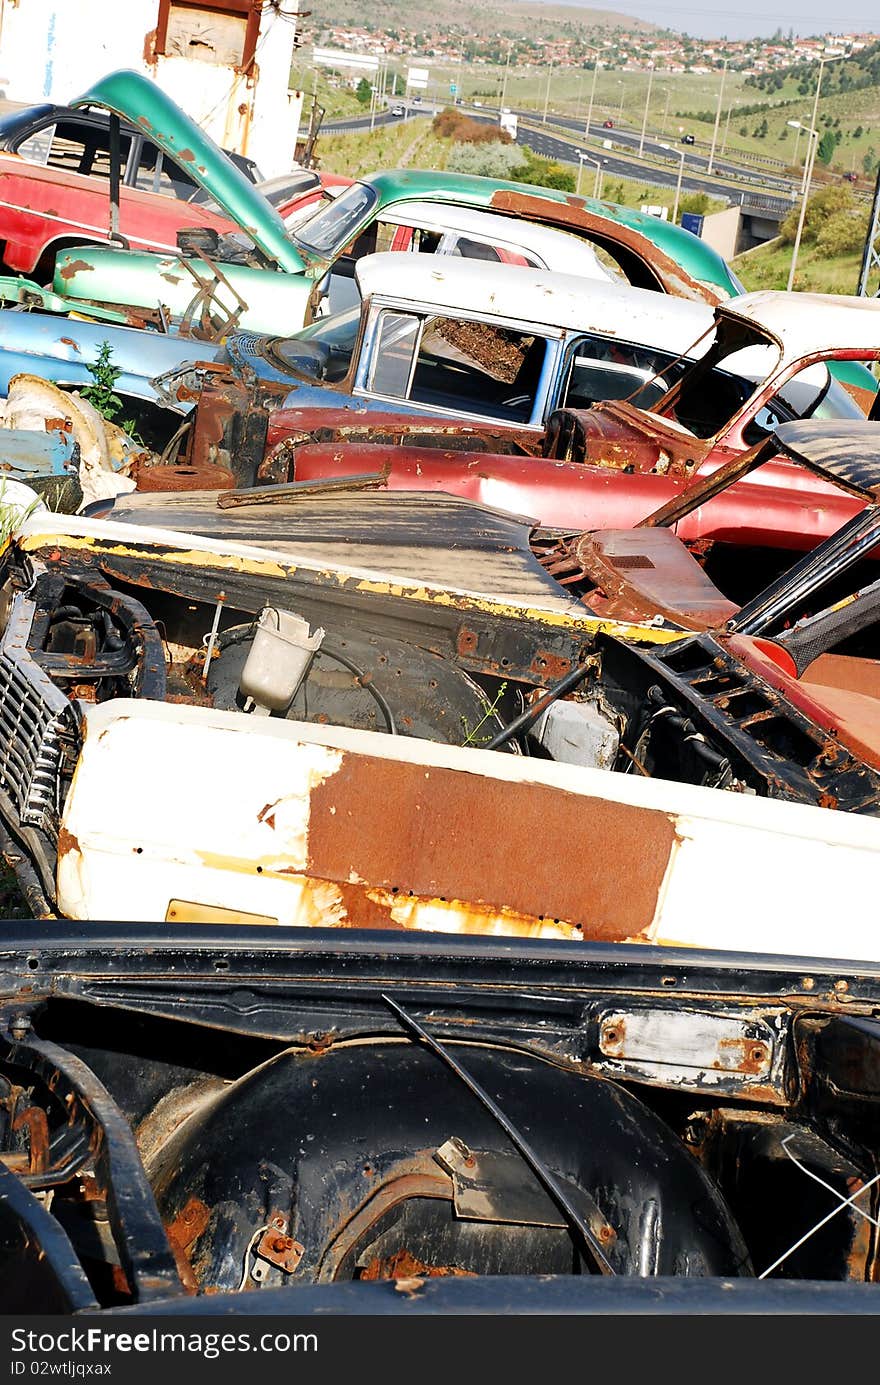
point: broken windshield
(331, 228)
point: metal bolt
(20, 1026)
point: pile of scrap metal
(614, 406)
(442, 1126)
(176, 644)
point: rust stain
(75, 267)
(67, 843)
(34, 1121)
(749, 1056)
(462, 838)
(403, 1265)
(182, 1232)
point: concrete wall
(52, 50)
(721, 231)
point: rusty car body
(446, 1125)
(498, 346)
(145, 640)
(236, 280)
(609, 464)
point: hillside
(507, 17)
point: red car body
(43, 210)
(557, 493)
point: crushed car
(445, 1125)
(162, 639)
(490, 345)
(538, 392)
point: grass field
(768, 266)
(622, 96)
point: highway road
(619, 162)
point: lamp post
(645, 116)
(547, 97)
(812, 141)
(681, 158)
(597, 163)
(717, 118)
(595, 52)
(822, 62)
(504, 79)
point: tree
(364, 92)
(827, 147)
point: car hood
(136, 99)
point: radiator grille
(36, 720)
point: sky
(714, 18)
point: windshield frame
(332, 212)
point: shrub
(698, 202)
(843, 234)
(820, 208)
(452, 124)
(487, 160)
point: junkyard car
(432, 343)
(650, 253)
(420, 616)
(458, 1126)
(78, 141)
(492, 345)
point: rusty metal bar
(701, 491)
(531, 714)
(292, 490)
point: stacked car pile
(485, 611)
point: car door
(457, 365)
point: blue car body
(60, 349)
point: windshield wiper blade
(590, 1238)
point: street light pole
(504, 80)
(547, 97)
(812, 141)
(595, 52)
(717, 118)
(681, 158)
(822, 62)
(645, 116)
(597, 163)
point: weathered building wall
(54, 49)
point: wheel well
(44, 269)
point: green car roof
(697, 258)
(137, 99)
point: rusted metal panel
(643, 262)
(492, 856)
(642, 573)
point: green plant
(489, 709)
(101, 394)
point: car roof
(537, 297)
(804, 323)
(694, 255)
(549, 242)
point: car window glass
(603, 369)
(37, 146)
(331, 228)
(338, 333)
(476, 367)
(84, 149)
(157, 173)
(393, 350)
